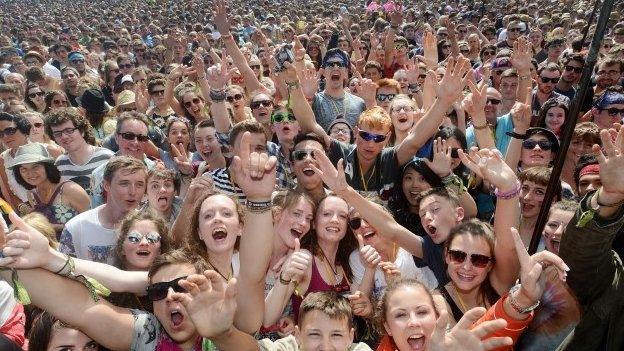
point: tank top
(56, 213)
(317, 284)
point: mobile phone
(284, 54)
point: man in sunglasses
(334, 100)
(572, 68)
(513, 31)
(131, 135)
(548, 77)
(608, 109)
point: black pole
(575, 107)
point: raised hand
(220, 17)
(430, 48)
(25, 246)
(199, 66)
(390, 271)
(453, 82)
(219, 75)
(297, 264)
(181, 159)
(521, 113)
(254, 172)
(368, 254)
(210, 302)
(442, 159)
(611, 165)
(412, 70)
(367, 90)
(333, 177)
(360, 304)
(463, 338)
(490, 165)
(522, 55)
(475, 105)
(309, 80)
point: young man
(608, 73)
(70, 130)
(548, 77)
(302, 160)
(508, 88)
(572, 68)
(608, 108)
(92, 234)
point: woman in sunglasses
(553, 116)
(237, 99)
(38, 135)
(55, 99)
(261, 104)
(160, 111)
(35, 98)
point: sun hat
(31, 153)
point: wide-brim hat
(31, 153)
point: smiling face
(33, 173)
(410, 318)
(134, 147)
(438, 217)
(171, 314)
(139, 256)
(219, 225)
(531, 198)
(71, 142)
(466, 276)
(12, 141)
(331, 219)
(413, 184)
(319, 332)
(294, 222)
(536, 156)
(207, 144)
(555, 117)
(555, 227)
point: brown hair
(166, 174)
(587, 132)
(541, 176)
(178, 256)
(328, 303)
(382, 304)
(64, 114)
(126, 163)
(450, 195)
(287, 199)
(40, 333)
(248, 125)
(142, 215)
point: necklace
(461, 302)
(365, 184)
(227, 279)
(335, 106)
(327, 263)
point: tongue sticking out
(416, 343)
(177, 318)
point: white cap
(127, 78)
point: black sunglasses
(129, 65)
(477, 260)
(194, 101)
(159, 291)
(552, 80)
(493, 101)
(355, 223)
(543, 144)
(8, 131)
(236, 97)
(131, 136)
(614, 111)
(575, 69)
(300, 155)
(255, 66)
(489, 53)
(385, 97)
(33, 95)
(257, 104)
(335, 64)
(378, 138)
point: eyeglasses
(236, 97)
(8, 131)
(157, 92)
(543, 144)
(131, 136)
(136, 237)
(159, 291)
(477, 260)
(335, 64)
(260, 103)
(344, 131)
(464, 51)
(446, 46)
(194, 101)
(385, 97)
(493, 101)
(283, 118)
(255, 66)
(552, 80)
(514, 29)
(66, 131)
(575, 69)
(610, 72)
(355, 223)
(613, 111)
(129, 65)
(463, 31)
(403, 108)
(77, 61)
(34, 95)
(301, 155)
(378, 138)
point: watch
(514, 303)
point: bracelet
(293, 85)
(516, 135)
(601, 204)
(217, 95)
(284, 281)
(510, 194)
(514, 304)
(64, 266)
(480, 127)
(523, 77)
(259, 206)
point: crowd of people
(286, 175)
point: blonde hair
(43, 225)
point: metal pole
(575, 107)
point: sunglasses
(575, 69)
(464, 51)
(493, 101)
(157, 92)
(552, 80)
(477, 260)
(355, 223)
(543, 144)
(301, 155)
(33, 95)
(129, 65)
(8, 131)
(77, 61)
(159, 291)
(378, 138)
(236, 97)
(283, 117)
(607, 46)
(403, 108)
(422, 76)
(385, 97)
(136, 237)
(260, 103)
(335, 64)
(614, 111)
(66, 131)
(446, 46)
(194, 101)
(489, 53)
(399, 46)
(255, 66)
(131, 136)
(37, 124)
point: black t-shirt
(433, 257)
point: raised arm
(475, 106)
(217, 78)
(447, 91)
(172, 79)
(521, 61)
(255, 175)
(396, 18)
(521, 116)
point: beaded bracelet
(510, 194)
(217, 95)
(259, 206)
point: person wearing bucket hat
(59, 201)
(126, 101)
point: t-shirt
(223, 184)
(289, 343)
(327, 109)
(84, 237)
(433, 257)
(148, 335)
(81, 174)
(378, 180)
(404, 263)
(98, 196)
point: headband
(593, 168)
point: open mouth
(555, 244)
(431, 229)
(176, 318)
(402, 119)
(332, 229)
(335, 77)
(467, 278)
(416, 342)
(163, 200)
(369, 234)
(308, 171)
(296, 233)
(143, 253)
(219, 234)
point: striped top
(81, 174)
(223, 184)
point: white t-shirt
(404, 262)
(84, 237)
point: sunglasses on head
(378, 138)
(33, 95)
(301, 155)
(543, 144)
(355, 223)
(159, 291)
(136, 237)
(614, 111)
(236, 97)
(257, 104)
(552, 80)
(131, 136)
(477, 260)
(282, 117)
(194, 101)
(8, 131)
(575, 69)
(385, 97)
